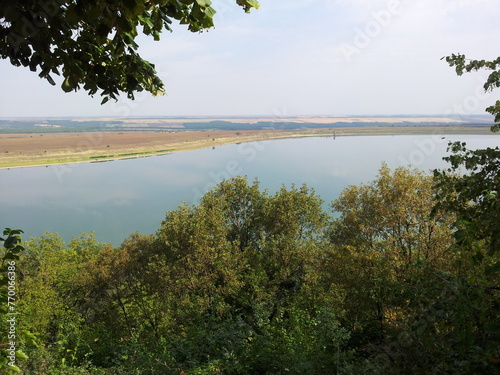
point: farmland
(30, 142)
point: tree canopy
(249, 282)
(92, 43)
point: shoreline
(147, 145)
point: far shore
(44, 149)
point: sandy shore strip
(44, 149)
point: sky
(298, 58)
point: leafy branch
(92, 43)
(463, 65)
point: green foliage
(474, 334)
(249, 282)
(12, 338)
(383, 234)
(92, 43)
(52, 297)
(390, 217)
(12, 246)
(412, 304)
(241, 248)
(437, 323)
(298, 342)
(462, 65)
(474, 196)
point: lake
(120, 197)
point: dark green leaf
(51, 81)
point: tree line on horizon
(69, 125)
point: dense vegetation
(402, 278)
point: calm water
(120, 197)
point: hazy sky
(298, 57)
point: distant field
(51, 148)
(119, 124)
(30, 149)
